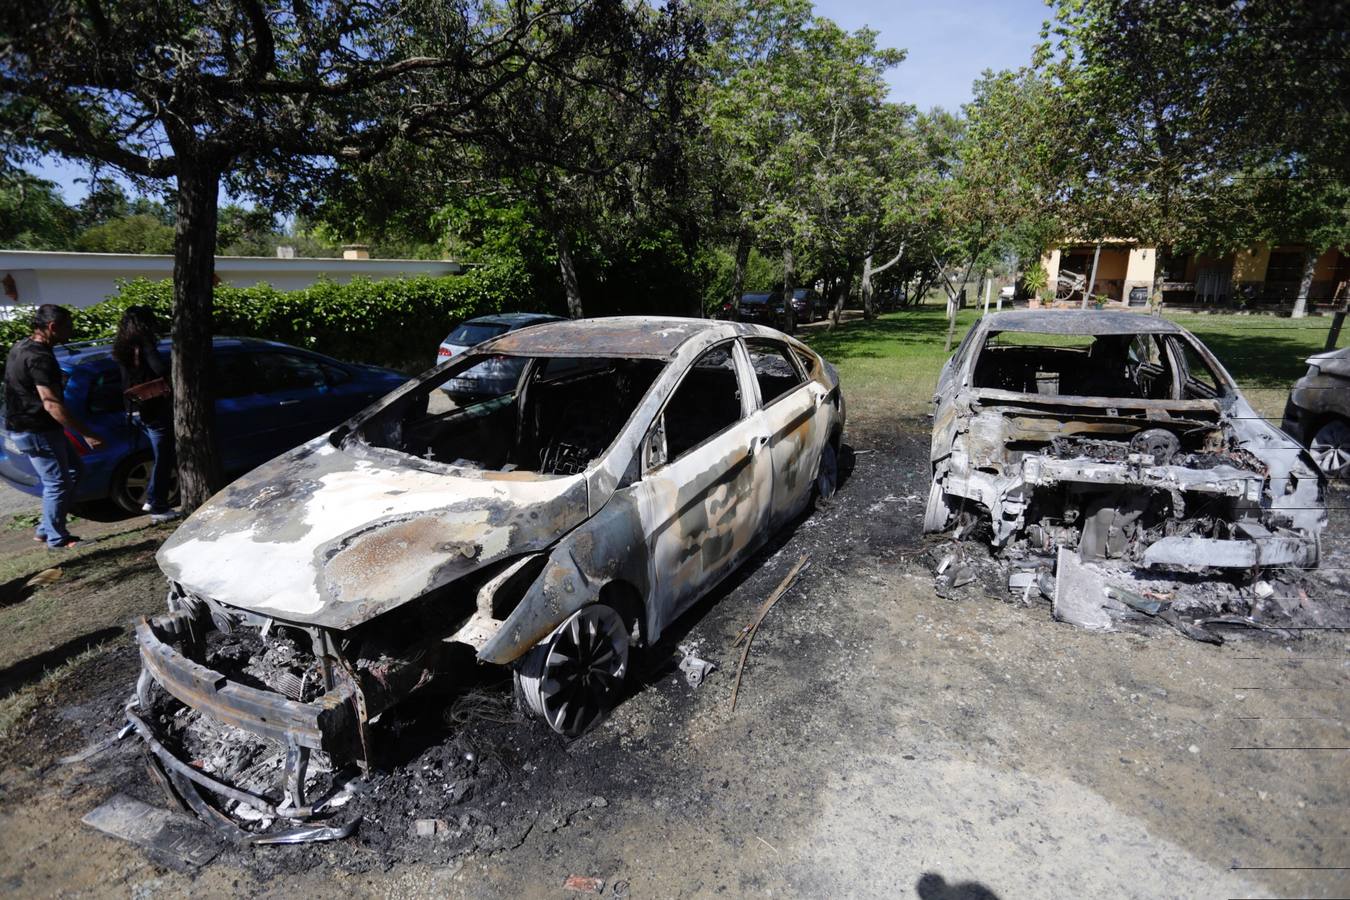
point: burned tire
(1330, 449)
(937, 513)
(575, 676)
(827, 472)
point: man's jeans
(59, 467)
(161, 472)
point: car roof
(1080, 321)
(515, 320)
(83, 353)
(657, 337)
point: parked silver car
(634, 464)
(495, 374)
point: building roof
(642, 336)
(1079, 321)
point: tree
(1177, 103)
(33, 216)
(258, 95)
(128, 234)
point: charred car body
(632, 466)
(1119, 436)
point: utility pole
(988, 288)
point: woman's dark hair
(136, 328)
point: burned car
(1117, 436)
(633, 464)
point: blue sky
(948, 44)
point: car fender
(609, 547)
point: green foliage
(715, 269)
(393, 322)
(32, 214)
(132, 234)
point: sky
(948, 45)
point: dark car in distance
(807, 305)
(269, 397)
(767, 309)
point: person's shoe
(145, 507)
(69, 543)
(159, 518)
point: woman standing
(145, 379)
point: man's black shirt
(30, 364)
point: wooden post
(1092, 279)
(988, 287)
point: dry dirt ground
(887, 743)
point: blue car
(270, 397)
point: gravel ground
(886, 743)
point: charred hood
(334, 537)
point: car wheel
(132, 480)
(937, 513)
(1330, 448)
(573, 678)
(827, 473)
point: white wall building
(29, 278)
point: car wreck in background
(632, 465)
(1317, 414)
(1114, 450)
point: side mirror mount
(654, 447)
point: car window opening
(707, 401)
(774, 369)
(500, 413)
(1125, 366)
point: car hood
(1334, 362)
(334, 537)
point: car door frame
(683, 503)
(795, 422)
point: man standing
(36, 413)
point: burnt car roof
(655, 337)
(1084, 321)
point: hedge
(394, 322)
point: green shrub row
(394, 322)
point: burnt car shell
(382, 558)
(1179, 469)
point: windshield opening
(549, 415)
(1118, 366)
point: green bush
(395, 322)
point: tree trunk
(1305, 284)
(569, 272)
(789, 274)
(742, 260)
(841, 294)
(868, 312)
(194, 269)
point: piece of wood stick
(748, 632)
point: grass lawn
(894, 361)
